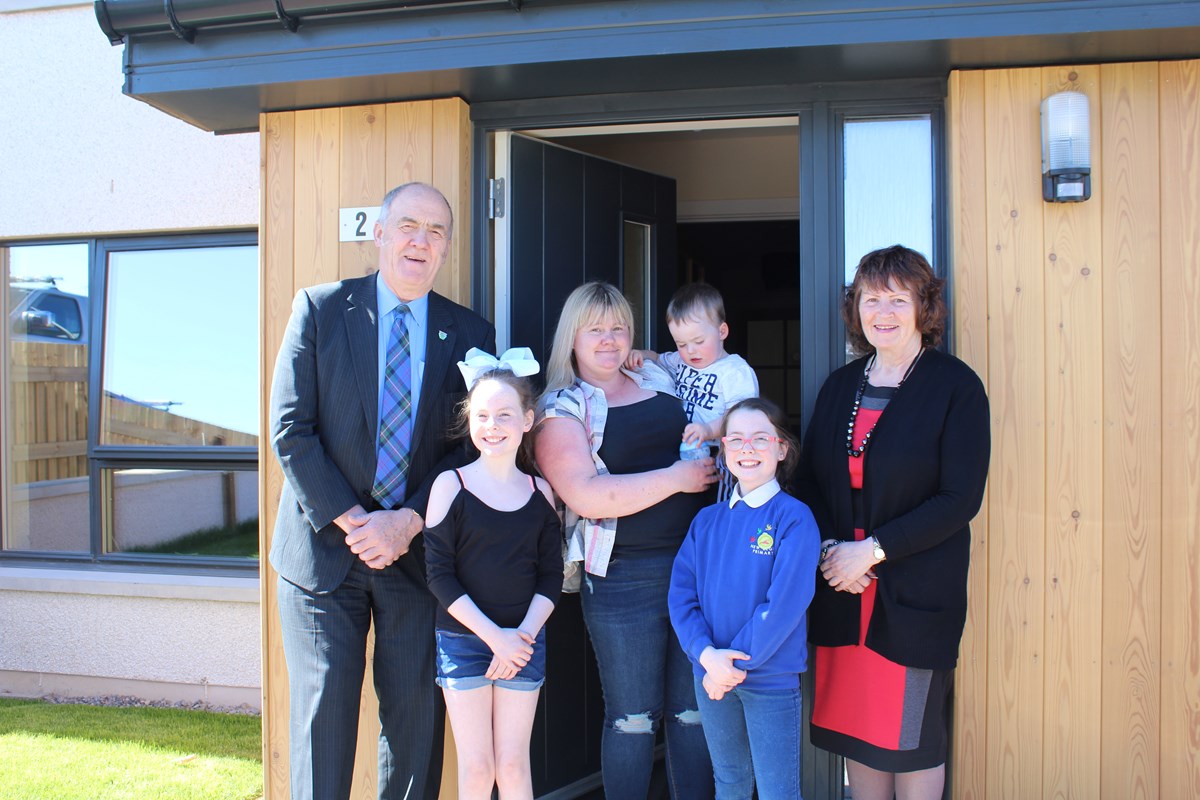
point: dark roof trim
(121, 18)
(575, 48)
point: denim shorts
(463, 660)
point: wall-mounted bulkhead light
(1066, 148)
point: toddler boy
(707, 379)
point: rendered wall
(182, 638)
(81, 158)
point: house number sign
(357, 224)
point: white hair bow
(517, 360)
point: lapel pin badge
(442, 335)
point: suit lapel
(362, 332)
(439, 349)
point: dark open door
(572, 217)
(568, 218)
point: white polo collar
(756, 498)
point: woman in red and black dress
(894, 465)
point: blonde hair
(589, 303)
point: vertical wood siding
(313, 163)
(1080, 668)
(969, 250)
(1179, 136)
(1074, 477)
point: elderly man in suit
(363, 396)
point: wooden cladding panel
(1092, 361)
(1074, 378)
(1132, 436)
(1016, 374)
(451, 159)
(969, 245)
(362, 182)
(313, 163)
(277, 285)
(315, 190)
(1179, 153)
(410, 144)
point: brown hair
(526, 396)
(904, 267)
(775, 416)
(696, 301)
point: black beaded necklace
(851, 450)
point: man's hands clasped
(378, 538)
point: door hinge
(495, 198)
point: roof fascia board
(373, 45)
(739, 102)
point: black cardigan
(924, 476)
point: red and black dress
(867, 708)
(885, 658)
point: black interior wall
(756, 267)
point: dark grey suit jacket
(324, 416)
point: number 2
(361, 216)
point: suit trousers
(324, 641)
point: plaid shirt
(591, 540)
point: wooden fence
(48, 416)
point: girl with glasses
(740, 589)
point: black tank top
(639, 437)
(499, 558)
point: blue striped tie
(395, 426)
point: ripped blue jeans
(646, 679)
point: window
(131, 427)
(635, 278)
(888, 186)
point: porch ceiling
(234, 69)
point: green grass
(77, 752)
(239, 540)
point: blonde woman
(607, 440)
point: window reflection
(46, 399)
(888, 186)
(182, 512)
(636, 277)
(180, 367)
(181, 348)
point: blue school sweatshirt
(743, 580)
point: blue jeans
(464, 658)
(754, 737)
(646, 678)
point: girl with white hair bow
(494, 561)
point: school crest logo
(763, 542)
